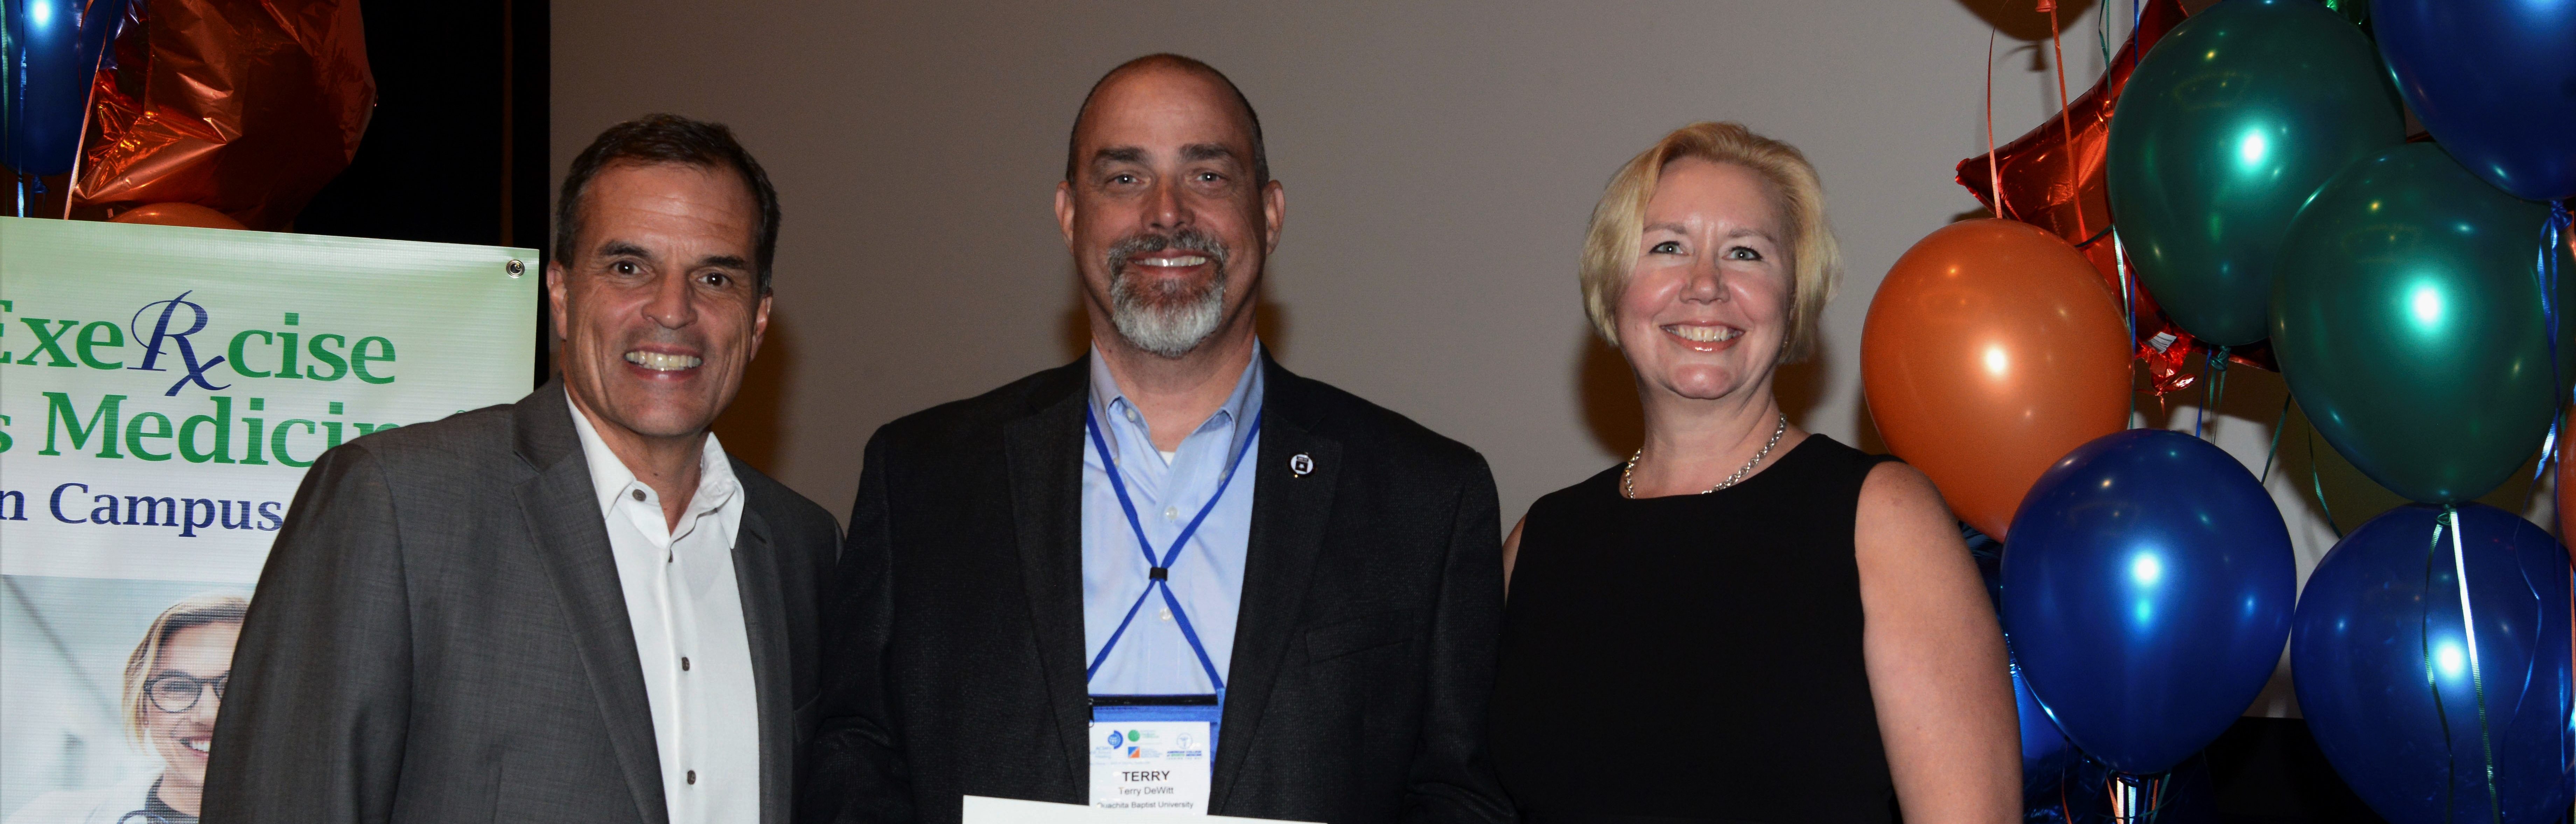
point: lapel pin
(1299, 464)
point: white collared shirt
(686, 611)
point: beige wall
(1439, 158)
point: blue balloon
(2046, 755)
(53, 54)
(2147, 590)
(2379, 632)
(2494, 81)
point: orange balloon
(1991, 350)
(178, 214)
(2566, 495)
(2566, 479)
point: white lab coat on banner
(119, 804)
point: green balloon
(2407, 319)
(2227, 126)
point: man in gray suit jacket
(572, 608)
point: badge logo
(1299, 464)
(1115, 739)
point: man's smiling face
(1165, 217)
(660, 306)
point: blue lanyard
(1158, 577)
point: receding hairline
(1183, 65)
(713, 168)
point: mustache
(1191, 240)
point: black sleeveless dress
(1694, 657)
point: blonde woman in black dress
(1744, 622)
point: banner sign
(161, 391)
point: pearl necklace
(1628, 473)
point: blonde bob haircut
(189, 613)
(1610, 247)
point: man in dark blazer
(1338, 598)
(572, 608)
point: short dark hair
(668, 138)
(1073, 142)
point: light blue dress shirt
(1153, 658)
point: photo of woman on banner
(174, 685)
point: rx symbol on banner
(161, 333)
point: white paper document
(982, 810)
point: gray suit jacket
(439, 636)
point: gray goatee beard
(1167, 320)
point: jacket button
(693, 776)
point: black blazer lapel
(764, 621)
(1289, 513)
(562, 515)
(1044, 452)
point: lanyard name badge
(1156, 752)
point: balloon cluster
(163, 110)
(2249, 173)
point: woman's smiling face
(203, 652)
(1706, 307)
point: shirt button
(1171, 513)
(1167, 613)
(693, 776)
(684, 663)
(1131, 414)
(639, 494)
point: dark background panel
(456, 151)
(2269, 771)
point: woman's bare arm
(1935, 656)
(1512, 552)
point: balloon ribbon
(1993, 171)
(2135, 799)
(2065, 807)
(2319, 485)
(2275, 452)
(2137, 14)
(2552, 231)
(2065, 113)
(2128, 307)
(2544, 269)
(2450, 520)
(2213, 391)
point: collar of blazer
(541, 425)
(1289, 513)
(562, 515)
